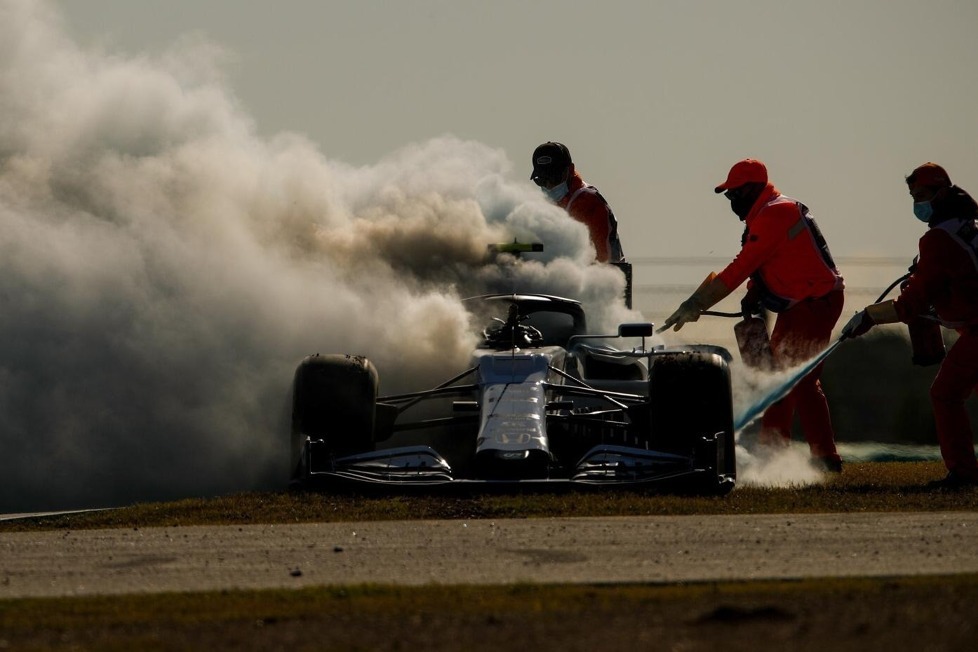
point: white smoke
(787, 467)
(164, 269)
(756, 464)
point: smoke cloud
(757, 465)
(164, 269)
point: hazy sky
(841, 98)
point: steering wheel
(512, 332)
(533, 334)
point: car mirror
(636, 330)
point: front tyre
(334, 400)
(691, 412)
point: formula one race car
(541, 403)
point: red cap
(930, 175)
(749, 170)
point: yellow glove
(883, 313)
(689, 310)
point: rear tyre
(690, 407)
(334, 399)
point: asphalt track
(653, 549)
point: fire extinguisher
(926, 341)
(754, 343)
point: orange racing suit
(788, 262)
(946, 277)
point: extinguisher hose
(714, 313)
(891, 286)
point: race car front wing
(603, 465)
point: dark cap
(749, 170)
(550, 160)
(930, 175)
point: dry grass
(838, 614)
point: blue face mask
(557, 192)
(923, 211)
